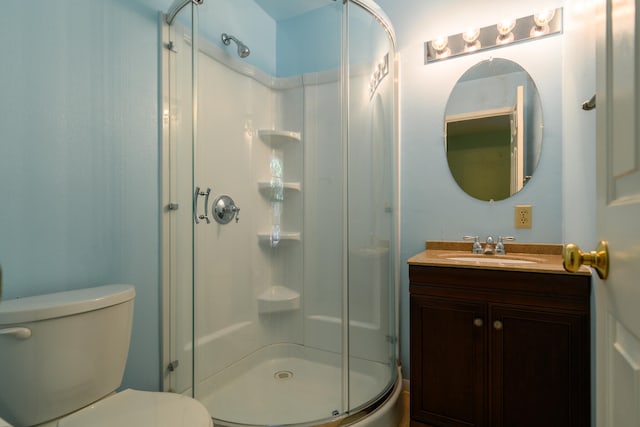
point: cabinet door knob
(478, 321)
(497, 325)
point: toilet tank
(62, 351)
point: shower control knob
(224, 210)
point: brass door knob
(573, 258)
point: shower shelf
(276, 138)
(277, 299)
(266, 185)
(284, 236)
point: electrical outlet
(523, 216)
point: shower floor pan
(287, 384)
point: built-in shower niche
(280, 237)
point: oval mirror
(493, 129)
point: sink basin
(491, 259)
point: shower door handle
(19, 333)
(198, 193)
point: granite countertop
(547, 258)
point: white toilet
(62, 356)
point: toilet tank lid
(59, 304)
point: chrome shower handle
(195, 205)
(225, 209)
(206, 206)
(196, 217)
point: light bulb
(506, 26)
(471, 35)
(542, 20)
(441, 47)
(471, 42)
(543, 17)
(504, 31)
(440, 43)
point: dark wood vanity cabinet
(499, 348)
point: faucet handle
(477, 247)
(500, 250)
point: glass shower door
(371, 195)
(177, 154)
(230, 269)
(255, 363)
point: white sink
(490, 259)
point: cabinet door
(448, 362)
(539, 368)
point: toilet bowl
(62, 357)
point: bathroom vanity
(498, 340)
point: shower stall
(280, 209)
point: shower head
(243, 50)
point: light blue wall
(79, 157)
(579, 153)
(310, 42)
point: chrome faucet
(500, 250)
(477, 247)
(489, 246)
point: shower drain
(283, 375)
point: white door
(618, 216)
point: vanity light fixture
(543, 23)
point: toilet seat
(131, 408)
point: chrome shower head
(243, 50)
